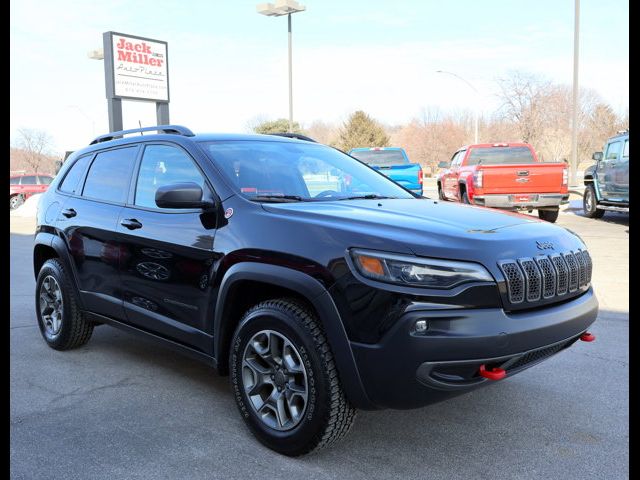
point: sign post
(135, 68)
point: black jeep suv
(317, 283)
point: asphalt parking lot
(122, 407)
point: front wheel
(440, 193)
(465, 198)
(549, 215)
(590, 203)
(285, 380)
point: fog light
(421, 326)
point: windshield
(273, 171)
(500, 155)
(380, 158)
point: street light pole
(290, 79)
(475, 110)
(284, 7)
(574, 110)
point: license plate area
(524, 198)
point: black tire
(327, 415)
(441, 193)
(549, 215)
(74, 330)
(465, 198)
(590, 202)
(15, 201)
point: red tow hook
(493, 374)
(587, 337)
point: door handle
(131, 223)
(69, 212)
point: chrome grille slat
(573, 270)
(515, 281)
(562, 272)
(546, 276)
(533, 278)
(582, 278)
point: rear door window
(109, 175)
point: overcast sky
(228, 64)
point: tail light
(420, 176)
(477, 179)
(565, 176)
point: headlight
(415, 271)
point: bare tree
(36, 146)
(523, 98)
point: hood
(431, 228)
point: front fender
(315, 293)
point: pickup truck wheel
(549, 215)
(15, 201)
(285, 380)
(62, 323)
(590, 203)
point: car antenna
(140, 124)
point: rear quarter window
(70, 183)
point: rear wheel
(590, 203)
(62, 323)
(285, 380)
(549, 215)
(15, 201)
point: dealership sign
(139, 68)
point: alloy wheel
(51, 305)
(275, 380)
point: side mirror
(443, 165)
(181, 195)
(597, 156)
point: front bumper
(520, 201)
(408, 369)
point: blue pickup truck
(394, 163)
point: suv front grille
(546, 276)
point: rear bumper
(511, 201)
(408, 369)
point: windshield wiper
(371, 196)
(278, 198)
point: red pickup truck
(505, 175)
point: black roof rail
(173, 129)
(299, 136)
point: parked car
(394, 163)
(507, 176)
(22, 187)
(607, 182)
(316, 300)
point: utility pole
(576, 106)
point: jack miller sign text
(140, 68)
